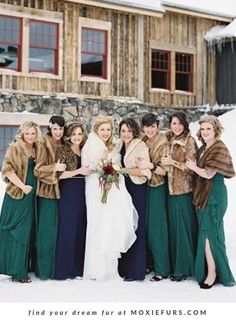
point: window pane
(42, 60)
(183, 82)
(43, 34)
(160, 69)
(183, 62)
(159, 80)
(93, 41)
(9, 29)
(92, 65)
(8, 56)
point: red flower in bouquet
(108, 173)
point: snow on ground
(93, 295)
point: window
(94, 53)
(160, 69)
(10, 42)
(7, 134)
(30, 44)
(94, 50)
(43, 47)
(184, 72)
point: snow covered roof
(221, 8)
(225, 9)
(145, 7)
(154, 5)
(219, 33)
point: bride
(111, 226)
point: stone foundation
(85, 110)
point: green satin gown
(211, 227)
(157, 230)
(15, 229)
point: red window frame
(104, 54)
(3, 138)
(184, 66)
(18, 44)
(54, 48)
(160, 62)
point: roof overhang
(221, 33)
(196, 12)
(133, 7)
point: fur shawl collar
(216, 158)
(16, 161)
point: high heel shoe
(206, 286)
(178, 278)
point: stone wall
(86, 109)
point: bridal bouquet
(108, 173)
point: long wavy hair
(71, 128)
(101, 120)
(23, 129)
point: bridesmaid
(132, 265)
(48, 194)
(210, 199)
(181, 216)
(71, 207)
(156, 223)
(18, 208)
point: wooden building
(107, 49)
(151, 52)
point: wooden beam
(140, 58)
(119, 7)
(197, 14)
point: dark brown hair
(150, 119)
(133, 125)
(181, 116)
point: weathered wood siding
(178, 32)
(128, 64)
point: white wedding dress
(110, 227)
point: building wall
(226, 73)
(132, 37)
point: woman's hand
(85, 171)
(105, 154)
(144, 164)
(166, 161)
(59, 167)
(27, 189)
(191, 164)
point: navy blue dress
(72, 223)
(132, 264)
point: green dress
(182, 234)
(15, 230)
(46, 236)
(157, 230)
(211, 227)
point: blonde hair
(214, 121)
(71, 128)
(101, 120)
(24, 127)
